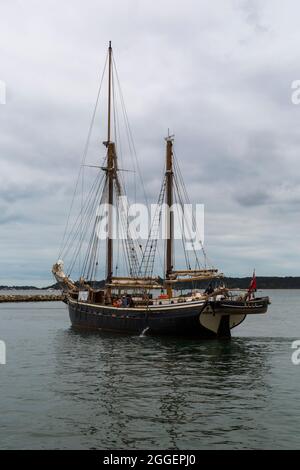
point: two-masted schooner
(128, 303)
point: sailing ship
(127, 304)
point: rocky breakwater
(30, 298)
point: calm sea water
(63, 389)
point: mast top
(109, 45)
(169, 138)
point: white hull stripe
(184, 305)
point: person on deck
(130, 301)
(209, 290)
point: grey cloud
(206, 73)
(256, 198)
(252, 11)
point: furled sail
(61, 277)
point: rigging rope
(83, 158)
(148, 258)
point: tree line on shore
(263, 282)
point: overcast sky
(217, 73)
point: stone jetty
(30, 298)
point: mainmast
(110, 175)
(169, 212)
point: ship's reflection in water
(142, 392)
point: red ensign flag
(253, 285)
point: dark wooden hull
(212, 319)
(181, 321)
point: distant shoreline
(263, 282)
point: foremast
(169, 212)
(134, 281)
